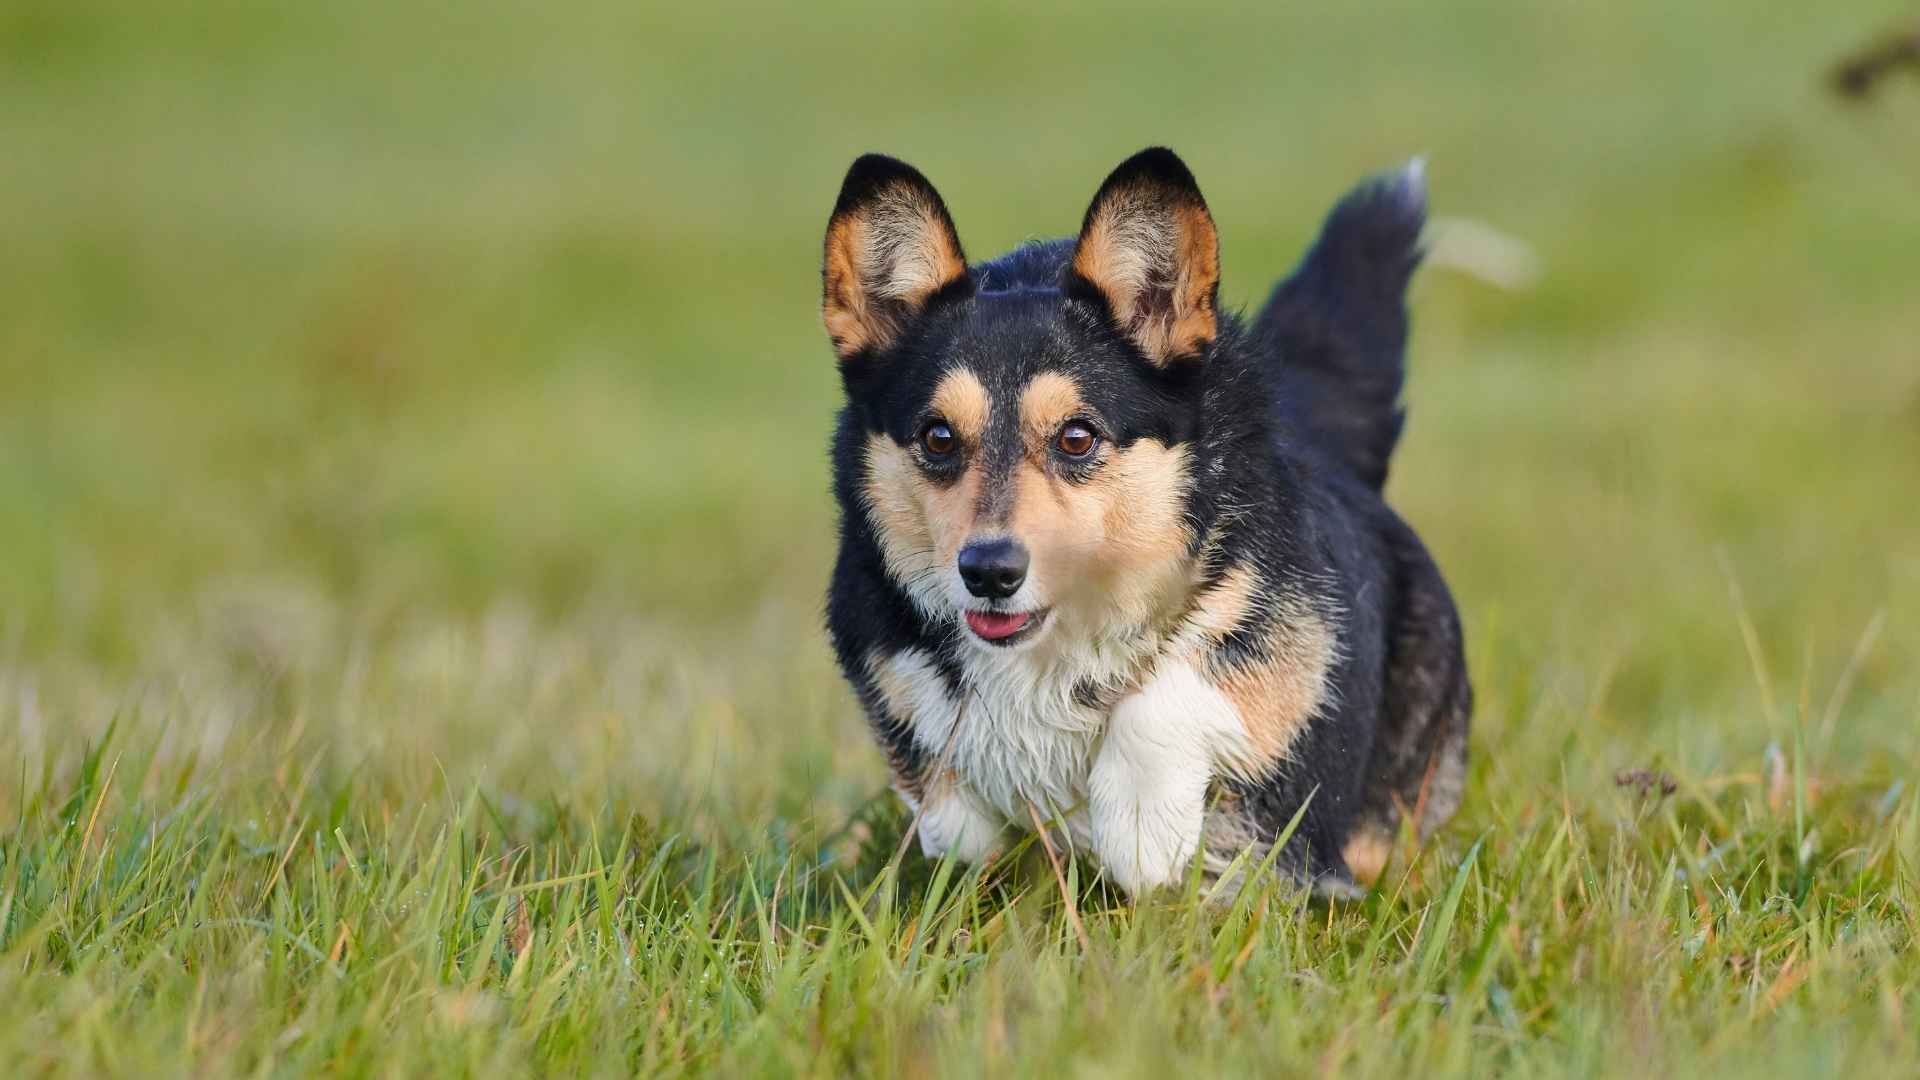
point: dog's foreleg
(1148, 788)
(955, 820)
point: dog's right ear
(891, 247)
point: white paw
(1145, 843)
(954, 821)
(1147, 791)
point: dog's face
(1027, 432)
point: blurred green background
(413, 425)
(473, 348)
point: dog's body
(1112, 559)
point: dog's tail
(1338, 324)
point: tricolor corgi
(1118, 561)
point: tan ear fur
(1150, 249)
(890, 247)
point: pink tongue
(994, 626)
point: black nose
(993, 569)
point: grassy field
(413, 523)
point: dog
(1115, 560)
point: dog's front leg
(1148, 788)
(954, 819)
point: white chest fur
(1026, 725)
(1130, 780)
(1014, 735)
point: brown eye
(1076, 440)
(937, 439)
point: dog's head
(1027, 429)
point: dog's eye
(1076, 440)
(937, 439)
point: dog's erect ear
(1148, 248)
(890, 247)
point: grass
(413, 521)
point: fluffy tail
(1339, 324)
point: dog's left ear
(891, 247)
(1148, 249)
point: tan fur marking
(1116, 545)
(1049, 401)
(1140, 241)
(1367, 852)
(1147, 485)
(920, 524)
(892, 495)
(1042, 514)
(883, 261)
(961, 398)
(1225, 605)
(1278, 696)
(1193, 324)
(843, 305)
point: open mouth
(1004, 627)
